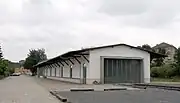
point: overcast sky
(63, 25)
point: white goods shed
(119, 63)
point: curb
(139, 87)
(145, 86)
(115, 89)
(134, 86)
(81, 90)
(89, 90)
(175, 88)
(62, 99)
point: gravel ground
(140, 96)
(62, 86)
(23, 89)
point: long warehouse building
(119, 63)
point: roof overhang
(65, 56)
(157, 55)
(79, 53)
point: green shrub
(154, 72)
(11, 70)
(1, 77)
(165, 71)
(176, 79)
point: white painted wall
(75, 69)
(93, 68)
(57, 72)
(65, 79)
(123, 51)
(83, 61)
(44, 72)
(48, 71)
(53, 72)
(66, 71)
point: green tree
(1, 54)
(147, 47)
(34, 57)
(160, 61)
(177, 61)
(3, 65)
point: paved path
(141, 96)
(24, 89)
(132, 96)
(62, 86)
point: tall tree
(160, 61)
(34, 57)
(3, 64)
(147, 47)
(177, 61)
(1, 54)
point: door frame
(119, 57)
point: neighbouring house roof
(164, 45)
(71, 53)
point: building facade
(118, 63)
(170, 51)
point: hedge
(165, 71)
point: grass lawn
(1, 77)
(176, 79)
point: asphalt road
(136, 96)
(24, 89)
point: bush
(3, 67)
(1, 77)
(165, 71)
(11, 70)
(154, 72)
